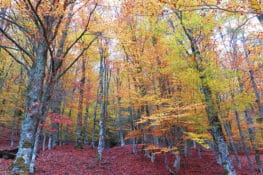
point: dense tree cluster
(166, 74)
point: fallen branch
(8, 154)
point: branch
(7, 47)
(216, 7)
(77, 58)
(42, 26)
(83, 32)
(13, 22)
(14, 58)
(38, 18)
(16, 44)
(60, 19)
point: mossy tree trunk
(33, 111)
(212, 113)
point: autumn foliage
(167, 78)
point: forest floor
(65, 160)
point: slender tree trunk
(131, 118)
(101, 102)
(56, 105)
(103, 97)
(66, 136)
(119, 110)
(212, 113)
(217, 132)
(34, 155)
(231, 141)
(252, 137)
(55, 108)
(86, 140)
(134, 141)
(49, 144)
(243, 141)
(94, 121)
(254, 84)
(176, 163)
(79, 129)
(12, 131)
(256, 91)
(252, 133)
(44, 140)
(17, 111)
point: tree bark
(33, 112)
(231, 141)
(212, 113)
(79, 129)
(94, 121)
(86, 118)
(101, 102)
(253, 82)
(34, 154)
(118, 112)
(252, 133)
(243, 141)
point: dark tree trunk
(56, 102)
(252, 133)
(243, 141)
(118, 112)
(79, 129)
(94, 121)
(86, 118)
(231, 141)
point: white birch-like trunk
(34, 155)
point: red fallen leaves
(119, 160)
(66, 160)
(4, 164)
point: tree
(48, 21)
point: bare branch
(16, 44)
(82, 33)
(14, 58)
(21, 28)
(7, 47)
(77, 58)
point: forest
(134, 87)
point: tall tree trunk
(103, 96)
(79, 129)
(56, 102)
(101, 102)
(118, 112)
(34, 154)
(253, 82)
(212, 113)
(231, 141)
(66, 136)
(243, 141)
(252, 137)
(33, 110)
(252, 133)
(86, 118)
(94, 121)
(44, 134)
(256, 91)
